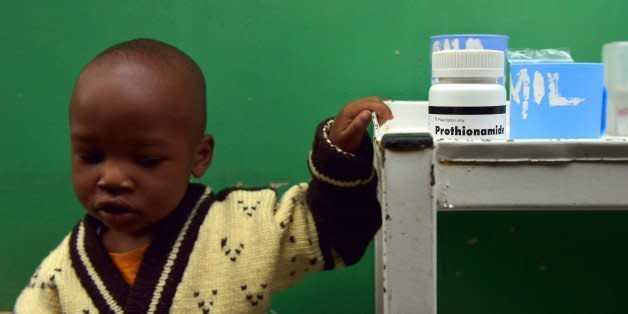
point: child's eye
(148, 162)
(92, 158)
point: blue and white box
(469, 41)
(556, 100)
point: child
(153, 242)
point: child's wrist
(326, 129)
(332, 164)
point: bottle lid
(615, 58)
(468, 63)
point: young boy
(154, 242)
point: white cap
(468, 63)
(615, 58)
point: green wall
(274, 69)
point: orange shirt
(128, 263)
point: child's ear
(203, 156)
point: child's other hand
(351, 123)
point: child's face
(134, 144)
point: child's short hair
(159, 55)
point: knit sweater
(224, 252)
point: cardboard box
(556, 100)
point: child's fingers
(375, 104)
(382, 111)
(359, 124)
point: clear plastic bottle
(466, 102)
(615, 58)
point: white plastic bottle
(467, 103)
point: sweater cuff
(332, 165)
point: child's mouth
(114, 208)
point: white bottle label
(468, 123)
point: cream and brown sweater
(225, 252)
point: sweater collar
(157, 278)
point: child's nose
(114, 179)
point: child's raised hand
(351, 123)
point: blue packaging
(556, 100)
(469, 41)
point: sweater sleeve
(342, 197)
(41, 294)
(330, 221)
